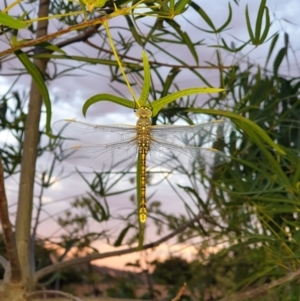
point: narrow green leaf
(286, 39)
(278, 60)
(14, 38)
(172, 5)
(185, 37)
(181, 6)
(259, 19)
(200, 202)
(158, 14)
(169, 80)
(296, 177)
(147, 79)
(176, 58)
(86, 59)
(105, 209)
(11, 22)
(231, 49)
(97, 211)
(190, 46)
(267, 27)
(141, 237)
(133, 30)
(107, 97)
(256, 137)
(37, 77)
(249, 26)
(220, 29)
(244, 123)
(51, 47)
(165, 9)
(151, 31)
(204, 16)
(121, 236)
(272, 46)
(275, 199)
(157, 105)
(119, 192)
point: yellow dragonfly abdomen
(143, 137)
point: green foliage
(35, 73)
(258, 199)
(156, 105)
(124, 289)
(11, 22)
(172, 271)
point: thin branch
(69, 296)
(180, 293)
(54, 35)
(8, 233)
(122, 56)
(75, 261)
(263, 288)
(80, 37)
(51, 36)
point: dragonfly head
(143, 112)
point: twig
(54, 292)
(180, 292)
(51, 36)
(8, 233)
(263, 288)
(135, 59)
(48, 37)
(80, 37)
(75, 261)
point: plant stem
(30, 146)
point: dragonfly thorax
(143, 129)
(143, 126)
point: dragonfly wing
(93, 133)
(194, 135)
(103, 158)
(184, 158)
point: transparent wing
(92, 133)
(101, 157)
(194, 135)
(184, 158)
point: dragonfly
(114, 147)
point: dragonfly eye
(143, 112)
